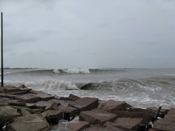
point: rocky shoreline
(23, 109)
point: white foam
(73, 71)
(57, 71)
(46, 85)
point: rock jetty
(23, 109)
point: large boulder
(113, 106)
(33, 122)
(30, 98)
(42, 95)
(8, 112)
(53, 116)
(166, 124)
(78, 126)
(128, 123)
(13, 89)
(68, 109)
(84, 104)
(97, 116)
(112, 127)
(73, 97)
(4, 101)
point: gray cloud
(89, 33)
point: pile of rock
(23, 109)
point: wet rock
(171, 112)
(33, 122)
(97, 128)
(34, 111)
(113, 106)
(67, 109)
(166, 124)
(4, 101)
(62, 102)
(146, 116)
(30, 105)
(42, 95)
(8, 96)
(12, 89)
(86, 103)
(52, 106)
(97, 116)
(22, 86)
(28, 98)
(45, 105)
(53, 116)
(152, 130)
(78, 126)
(73, 97)
(16, 103)
(128, 123)
(112, 127)
(8, 112)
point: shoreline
(22, 108)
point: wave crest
(72, 71)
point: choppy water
(138, 87)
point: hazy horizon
(89, 33)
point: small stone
(78, 126)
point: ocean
(140, 87)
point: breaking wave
(72, 71)
(130, 85)
(60, 71)
(144, 92)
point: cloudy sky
(89, 33)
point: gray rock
(78, 126)
(8, 112)
(84, 104)
(128, 123)
(97, 116)
(30, 98)
(113, 106)
(33, 122)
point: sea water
(139, 87)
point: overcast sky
(89, 33)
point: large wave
(150, 91)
